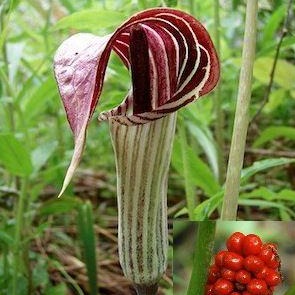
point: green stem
(219, 121)
(202, 257)
(189, 187)
(18, 234)
(237, 150)
(142, 160)
(4, 73)
(68, 278)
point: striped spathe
(142, 159)
(182, 66)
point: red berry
(273, 262)
(233, 261)
(266, 254)
(234, 242)
(272, 246)
(257, 287)
(219, 258)
(228, 274)
(253, 263)
(209, 290)
(262, 273)
(223, 287)
(251, 245)
(235, 293)
(272, 278)
(243, 276)
(246, 293)
(214, 274)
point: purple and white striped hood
(172, 62)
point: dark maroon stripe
(140, 70)
(159, 55)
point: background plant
(35, 148)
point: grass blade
(87, 236)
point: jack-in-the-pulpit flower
(172, 62)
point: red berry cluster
(247, 267)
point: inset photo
(234, 257)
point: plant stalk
(142, 160)
(202, 257)
(237, 149)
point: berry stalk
(202, 257)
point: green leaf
(201, 132)
(291, 291)
(261, 192)
(60, 289)
(269, 195)
(287, 194)
(264, 165)
(198, 172)
(206, 208)
(58, 206)
(42, 153)
(266, 204)
(40, 274)
(14, 55)
(91, 19)
(35, 103)
(284, 74)
(171, 3)
(272, 25)
(14, 156)
(5, 239)
(276, 98)
(285, 216)
(207, 143)
(274, 132)
(270, 49)
(181, 212)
